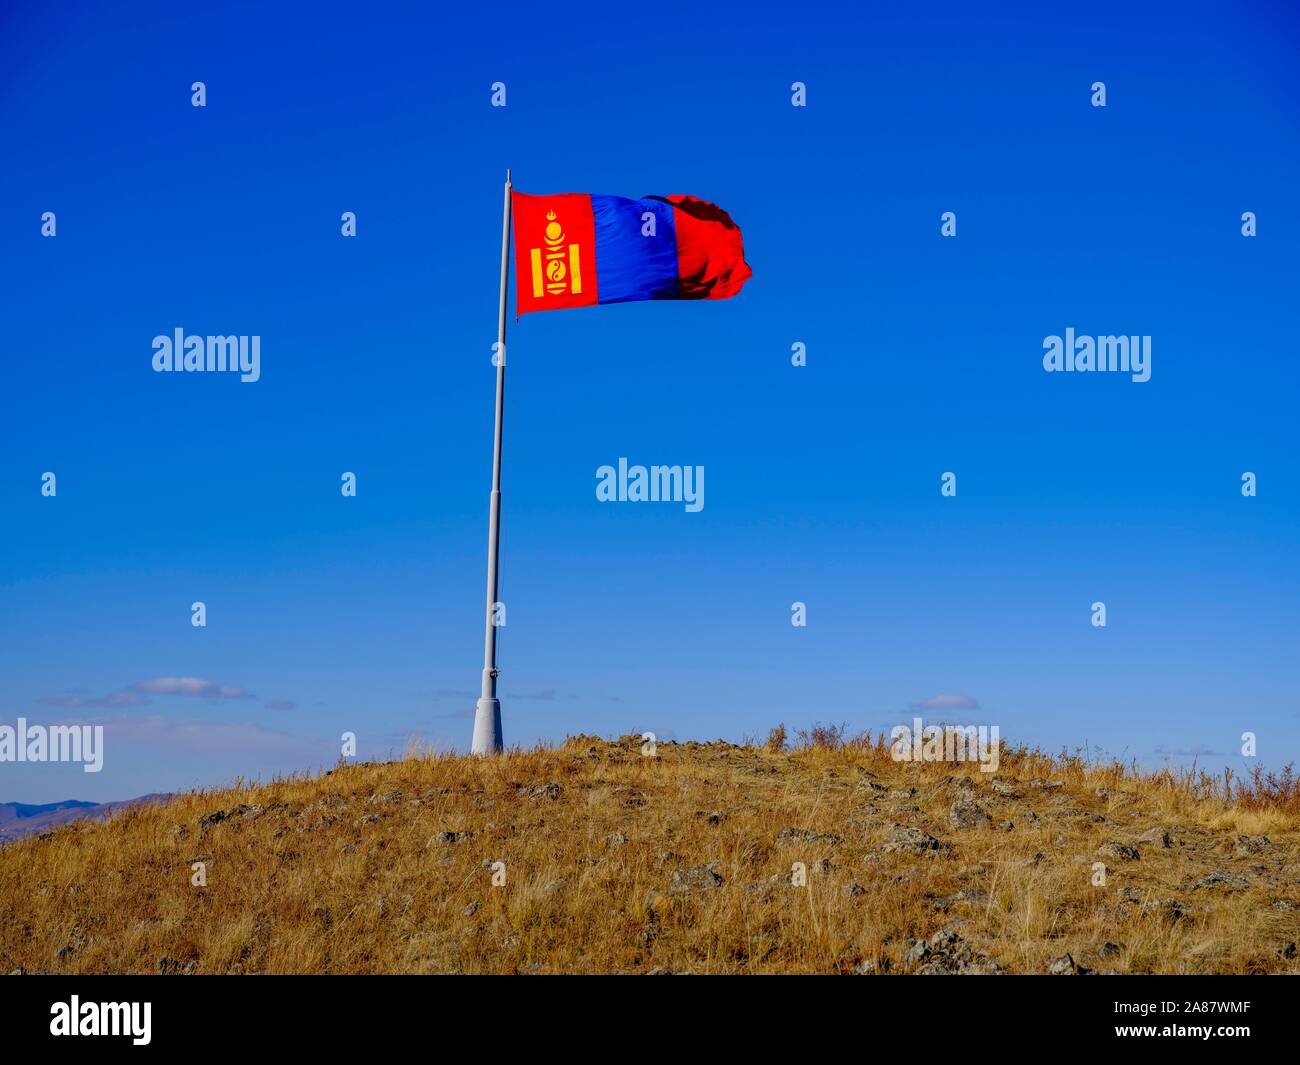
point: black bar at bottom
(532, 1015)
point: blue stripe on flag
(630, 266)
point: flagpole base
(487, 728)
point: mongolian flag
(578, 250)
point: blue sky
(822, 482)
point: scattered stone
(1217, 879)
(1037, 859)
(630, 796)
(1157, 837)
(540, 792)
(1062, 966)
(615, 839)
(912, 841)
(1005, 788)
(806, 835)
(1004, 826)
(968, 814)
(369, 819)
(1109, 949)
(853, 890)
(1252, 844)
(1119, 852)
(696, 878)
(922, 948)
(215, 817)
(902, 793)
(450, 838)
(972, 895)
(945, 954)
(1171, 908)
(1081, 815)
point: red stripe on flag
(555, 251)
(710, 252)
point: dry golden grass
(350, 873)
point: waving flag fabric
(578, 250)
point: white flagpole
(487, 715)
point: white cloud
(204, 689)
(948, 702)
(134, 695)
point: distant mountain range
(18, 819)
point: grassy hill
(682, 862)
(23, 819)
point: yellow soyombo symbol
(556, 277)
